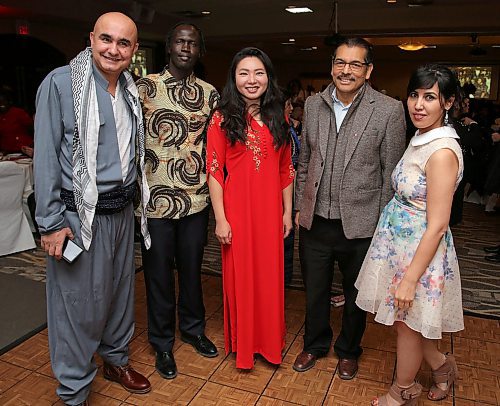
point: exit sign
(22, 27)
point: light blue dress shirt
(340, 109)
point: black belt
(107, 203)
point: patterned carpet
(480, 279)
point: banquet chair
(15, 232)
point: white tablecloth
(16, 184)
(27, 165)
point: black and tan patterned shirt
(175, 120)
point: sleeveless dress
(437, 306)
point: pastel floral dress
(437, 306)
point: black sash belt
(107, 203)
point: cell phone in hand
(71, 251)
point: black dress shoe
(165, 365)
(493, 258)
(492, 250)
(201, 344)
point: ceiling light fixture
(411, 46)
(392, 1)
(206, 13)
(297, 10)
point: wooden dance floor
(26, 377)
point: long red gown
(252, 265)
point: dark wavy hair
(233, 107)
(427, 75)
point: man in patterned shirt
(176, 106)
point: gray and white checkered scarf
(85, 141)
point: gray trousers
(90, 304)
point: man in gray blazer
(352, 139)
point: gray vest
(328, 200)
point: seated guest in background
(250, 177)
(296, 92)
(492, 184)
(176, 106)
(16, 125)
(88, 128)
(410, 277)
(473, 146)
(294, 132)
(296, 117)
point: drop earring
(446, 118)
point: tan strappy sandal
(403, 395)
(446, 373)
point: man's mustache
(348, 77)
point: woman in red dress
(250, 176)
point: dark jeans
(319, 248)
(175, 244)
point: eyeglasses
(355, 66)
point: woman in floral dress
(410, 276)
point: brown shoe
(125, 375)
(304, 361)
(348, 368)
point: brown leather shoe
(304, 361)
(128, 378)
(348, 368)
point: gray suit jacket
(375, 145)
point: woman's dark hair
(233, 107)
(426, 76)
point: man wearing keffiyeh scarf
(89, 158)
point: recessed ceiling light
(392, 1)
(206, 12)
(291, 40)
(297, 10)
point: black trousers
(176, 244)
(319, 248)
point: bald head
(114, 42)
(116, 18)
